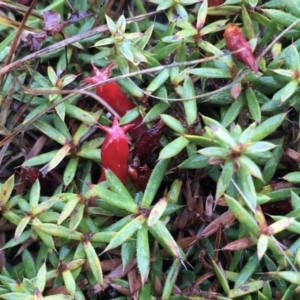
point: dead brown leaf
(225, 219)
(240, 244)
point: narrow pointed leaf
(116, 186)
(157, 211)
(35, 194)
(7, 189)
(247, 188)
(69, 282)
(225, 178)
(115, 199)
(242, 215)
(50, 132)
(171, 279)
(126, 232)
(164, 237)
(250, 166)
(262, 246)
(143, 253)
(40, 281)
(68, 209)
(173, 148)
(59, 231)
(267, 127)
(154, 182)
(94, 261)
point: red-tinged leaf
(293, 154)
(236, 90)
(240, 244)
(236, 41)
(225, 219)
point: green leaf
(195, 162)
(173, 123)
(128, 251)
(58, 157)
(158, 81)
(220, 131)
(281, 17)
(246, 289)
(290, 276)
(154, 182)
(210, 72)
(158, 108)
(80, 114)
(213, 27)
(114, 199)
(40, 159)
(267, 127)
(286, 92)
(259, 147)
(164, 237)
(173, 148)
(69, 282)
(233, 111)
(111, 25)
(190, 106)
(51, 132)
(157, 211)
(250, 166)
(221, 276)
(262, 246)
(248, 270)
(126, 232)
(6, 189)
(59, 231)
(215, 152)
(293, 177)
(143, 253)
(201, 16)
(40, 281)
(171, 280)
(130, 116)
(29, 264)
(253, 105)
(243, 216)
(21, 226)
(70, 170)
(225, 178)
(247, 187)
(77, 216)
(94, 262)
(52, 75)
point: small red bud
(115, 150)
(112, 94)
(235, 40)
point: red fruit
(116, 98)
(235, 40)
(115, 151)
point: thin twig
(68, 41)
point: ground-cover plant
(210, 206)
